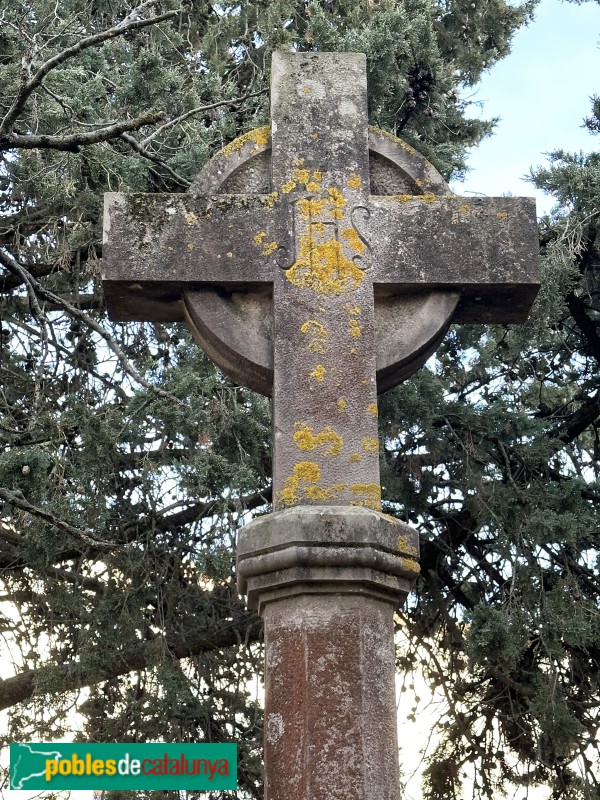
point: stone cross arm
(162, 246)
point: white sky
(541, 93)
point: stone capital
(326, 550)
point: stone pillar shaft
(326, 581)
(330, 703)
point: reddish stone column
(326, 581)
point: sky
(541, 92)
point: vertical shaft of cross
(324, 394)
(324, 570)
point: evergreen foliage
(127, 461)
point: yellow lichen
(353, 181)
(318, 372)
(405, 545)
(427, 197)
(464, 208)
(502, 216)
(355, 458)
(303, 484)
(323, 267)
(372, 409)
(306, 89)
(338, 201)
(302, 177)
(259, 137)
(395, 139)
(313, 207)
(318, 333)
(269, 200)
(410, 567)
(367, 495)
(190, 246)
(306, 440)
(354, 328)
(350, 235)
(316, 493)
(342, 404)
(370, 445)
(269, 248)
(305, 472)
(258, 237)
(191, 218)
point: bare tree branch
(74, 141)
(586, 325)
(199, 110)
(17, 500)
(130, 23)
(135, 145)
(244, 629)
(577, 422)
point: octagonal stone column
(326, 581)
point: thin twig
(13, 266)
(182, 117)
(18, 500)
(132, 142)
(128, 24)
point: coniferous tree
(128, 461)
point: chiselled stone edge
(235, 156)
(326, 549)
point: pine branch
(195, 639)
(130, 23)
(570, 427)
(588, 327)
(18, 500)
(35, 288)
(41, 270)
(75, 141)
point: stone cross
(319, 260)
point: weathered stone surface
(308, 549)
(158, 246)
(327, 581)
(313, 254)
(330, 703)
(230, 310)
